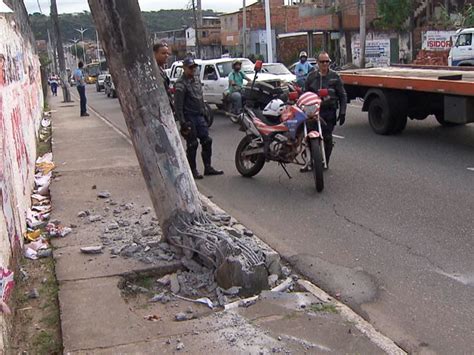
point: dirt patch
(36, 322)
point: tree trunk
(147, 112)
(59, 46)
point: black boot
(196, 175)
(209, 170)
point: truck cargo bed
(454, 82)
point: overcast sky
(70, 6)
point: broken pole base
(233, 272)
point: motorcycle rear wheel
(209, 115)
(251, 165)
(317, 160)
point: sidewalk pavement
(100, 316)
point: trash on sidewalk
(203, 300)
(57, 231)
(33, 235)
(37, 249)
(96, 249)
(152, 317)
(6, 287)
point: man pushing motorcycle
(325, 78)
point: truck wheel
(379, 117)
(400, 124)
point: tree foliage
(392, 14)
(155, 21)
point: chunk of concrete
(251, 279)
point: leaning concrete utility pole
(268, 27)
(60, 48)
(160, 153)
(362, 34)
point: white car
(279, 70)
(214, 73)
(99, 84)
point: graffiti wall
(21, 104)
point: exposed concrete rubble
(129, 231)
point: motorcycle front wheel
(317, 160)
(249, 165)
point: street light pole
(75, 40)
(98, 46)
(82, 30)
(269, 32)
(244, 29)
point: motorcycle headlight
(310, 110)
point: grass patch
(145, 281)
(323, 307)
(45, 343)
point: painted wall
(21, 105)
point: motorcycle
(287, 140)
(256, 95)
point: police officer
(189, 109)
(325, 78)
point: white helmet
(303, 54)
(274, 108)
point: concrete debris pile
(127, 231)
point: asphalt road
(392, 234)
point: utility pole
(268, 26)
(59, 45)
(98, 46)
(362, 34)
(196, 31)
(157, 143)
(51, 56)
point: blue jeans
(82, 94)
(236, 98)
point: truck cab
(462, 53)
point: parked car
(99, 85)
(109, 87)
(279, 70)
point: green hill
(155, 21)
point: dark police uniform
(329, 106)
(189, 109)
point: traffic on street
(391, 235)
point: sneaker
(211, 171)
(85, 114)
(196, 175)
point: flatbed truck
(395, 94)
